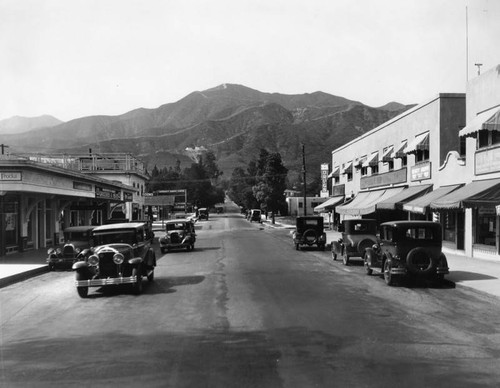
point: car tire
(368, 266)
(345, 259)
(82, 291)
(388, 276)
(137, 286)
(414, 260)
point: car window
(175, 226)
(311, 222)
(420, 233)
(386, 233)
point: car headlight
(93, 260)
(58, 251)
(118, 258)
(51, 251)
(78, 250)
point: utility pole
(304, 177)
(478, 67)
(3, 146)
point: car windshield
(114, 237)
(76, 236)
(176, 226)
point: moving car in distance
(179, 234)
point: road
(245, 309)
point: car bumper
(106, 282)
(61, 260)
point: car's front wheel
(138, 282)
(83, 291)
(388, 276)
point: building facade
(40, 196)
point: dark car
(121, 254)
(357, 235)
(203, 213)
(408, 249)
(178, 234)
(255, 215)
(309, 231)
(76, 240)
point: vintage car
(357, 235)
(179, 234)
(76, 239)
(203, 213)
(255, 215)
(121, 254)
(410, 249)
(309, 231)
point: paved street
(245, 309)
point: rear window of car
(421, 233)
(311, 222)
(364, 228)
(176, 226)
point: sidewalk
(478, 274)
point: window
(364, 171)
(449, 222)
(486, 226)
(390, 165)
(375, 169)
(421, 155)
(404, 161)
(349, 176)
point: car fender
(371, 257)
(135, 261)
(80, 265)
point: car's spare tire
(310, 236)
(419, 261)
(363, 244)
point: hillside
(232, 120)
(17, 124)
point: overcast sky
(75, 58)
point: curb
(19, 277)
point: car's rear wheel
(137, 286)
(82, 291)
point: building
(41, 195)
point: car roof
(411, 223)
(176, 221)
(83, 228)
(122, 225)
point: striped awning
(489, 120)
(366, 201)
(372, 160)
(421, 142)
(335, 173)
(329, 204)
(387, 155)
(475, 193)
(421, 204)
(397, 200)
(400, 151)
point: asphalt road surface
(245, 309)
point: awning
(421, 142)
(463, 197)
(335, 173)
(489, 120)
(365, 201)
(359, 162)
(397, 201)
(400, 151)
(347, 168)
(329, 204)
(387, 155)
(372, 160)
(421, 204)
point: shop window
(301, 205)
(11, 226)
(486, 226)
(449, 220)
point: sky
(76, 58)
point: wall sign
(11, 176)
(421, 171)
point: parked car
(203, 213)
(76, 240)
(309, 230)
(357, 235)
(121, 254)
(178, 234)
(408, 249)
(255, 215)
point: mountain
(234, 121)
(18, 124)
